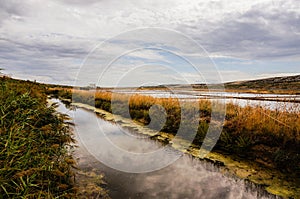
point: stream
(185, 177)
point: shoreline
(271, 180)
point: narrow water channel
(185, 178)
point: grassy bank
(269, 137)
(35, 142)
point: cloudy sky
(107, 41)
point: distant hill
(288, 83)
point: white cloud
(267, 75)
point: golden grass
(259, 120)
(256, 119)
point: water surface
(185, 178)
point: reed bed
(35, 143)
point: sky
(121, 43)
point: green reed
(35, 143)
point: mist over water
(185, 177)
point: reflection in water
(185, 178)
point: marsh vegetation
(35, 144)
(270, 137)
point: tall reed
(35, 142)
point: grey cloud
(36, 48)
(80, 2)
(48, 62)
(12, 8)
(259, 33)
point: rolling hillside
(288, 83)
